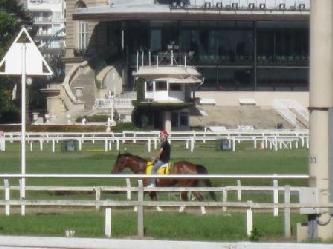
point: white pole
(275, 197)
(137, 60)
(239, 191)
(149, 57)
(249, 221)
(7, 196)
(108, 217)
(23, 120)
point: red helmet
(164, 133)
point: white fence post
(149, 145)
(108, 222)
(110, 144)
(22, 199)
(117, 144)
(275, 197)
(224, 199)
(249, 220)
(192, 144)
(53, 145)
(140, 209)
(98, 196)
(239, 190)
(2, 141)
(41, 143)
(287, 233)
(7, 196)
(80, 144)
(233, 144)
(155, 144)
(105, 145)
(129, 193)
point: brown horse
(138, 166)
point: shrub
(255, 235)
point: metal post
(23, 121)
(321, 101)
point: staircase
(86, 81)
(234, 116)
(293, 112)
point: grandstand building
(249, 52)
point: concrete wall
(261, 98)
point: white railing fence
(117, 103)
(263, 139)
(140, 203)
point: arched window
(81, 30)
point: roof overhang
(188, 80)
(154, 72)
(164, 12)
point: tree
(12, 17)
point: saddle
(163, 170)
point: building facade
(49, 20)
(237, 45)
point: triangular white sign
(35, 64)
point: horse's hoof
(203, 210)
(135, 209)
(159, 209)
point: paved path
(21, 242)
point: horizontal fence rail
(141, 176)
(267, 139)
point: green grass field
(166, 225)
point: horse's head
(134, 163)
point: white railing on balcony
(117, 103)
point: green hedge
(56, 128)
(70, 128)
(94, 118)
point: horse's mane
(131, 155)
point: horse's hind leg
(153, 197)
(184, 197)
(199, 197)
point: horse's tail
(207, 182)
